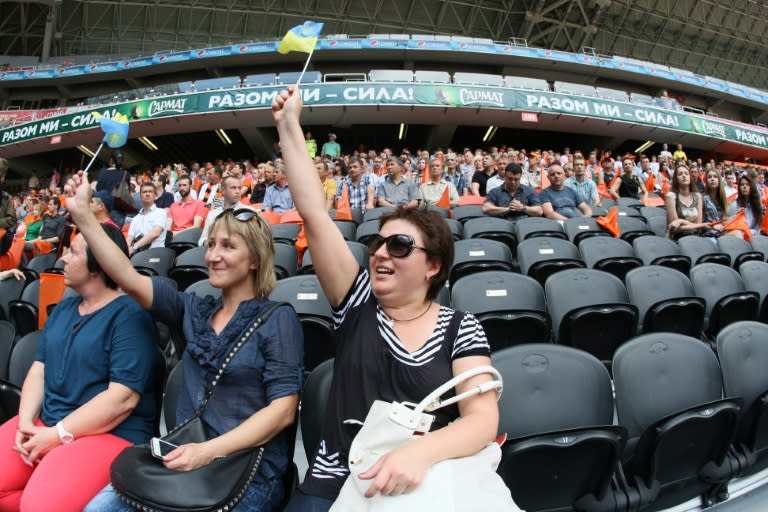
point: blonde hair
(258, 238)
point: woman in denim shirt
(257, 397)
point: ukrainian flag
(301, 38)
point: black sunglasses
(242, 214)
(398, 246)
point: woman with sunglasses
(256, 398)
(393, 341)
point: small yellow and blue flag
(301, 38)
(115, 129)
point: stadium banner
(363, 94)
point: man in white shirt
(148, 226)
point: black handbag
(143, 482)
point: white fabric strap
(433, 402)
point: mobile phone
(161, 448)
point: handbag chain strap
(246, 335)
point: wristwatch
(64, 436)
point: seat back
(557, 408)
(590, 310)
(511, 307)
(185, 240)
(492, 228)
(665, 301)
(477, 255)
(657, 250)
(24, 312)
(359, 251)
(7, 336)
(285, 233)
(702, 250)
(579, 228)
(609, 254)
(467, 212)
(743, 351)
(375, 213)
(541, 257)
(314, 403)
(10, 289)
(760, 244)
(171, 394)
(41, 263)
(366, 231)
(755, 277)
(658, 225)
(348, 229)
(22, 357)
(738, 250)
(155, 261)
(632, 227)
(529, 227)
(726, 296)
(286, 260)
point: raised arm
(335, 266)
(110, 257)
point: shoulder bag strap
(433, 402)
(262, 318)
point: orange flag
(544, 180)
(444, 201)
(664, 186)
(738, 222)
(610, 222)
(343, 209)
(425, 175)
(764, 224)
(650, 183)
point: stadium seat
(530, 227)
(285, 233)
(478, 255)
(190, 267)
(760, 243)
(443, 212)
(702, 250)
(632, 227)
(651, 212)
(738, 250)
(10, 290)
(155, 261)
(22, 357)
(310, 303)
(171, 395)
(457, 229)
(23, 312)
(467, 212)
(375, 213)
(314, 402)
(557, 409)
(541, 257)
(657, 250)
(511, 307)
(755, 277)
(665, 301)
(726, 296)
(41, 263)
(612, 255)
(359, 251)
(743, 351)
(590, 310)
(658, 225)
(203, 288)
(348, 229)
(629, 211)
(492, 228)
(629, 202)
(579, 228)
(185, 240)
(286, 260)
(669, 398)
(7, 338)
(10, 396)
(366, 231)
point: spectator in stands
(88, 394)
(513, 200)
(101, 205)
(432, 191)
(454, 175)
(748, 200)
(696, 178)
(331, 149)
(628, 184)
(148, 226)
(278, 198)
(311, 144)
(33, 221)
(560, 202)
(187, 212)
(482, 175)
(34, 182)
(210, 191)
(230, 201)
(581, 184)
(236, 170)
(467, 165)
(532, 175)
(679, 154)
(395, 190)
(684, 206)
(257, 397)
(329, 184)
(51, 231)
(360, 188)
(714, 203)
(260, 188)
(109, 178)
(164, 198)
(409, 263)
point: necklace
(429, 305)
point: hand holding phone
(160, 448)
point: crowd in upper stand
(509, 182)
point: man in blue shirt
(512, 200)
(278, 198)
(560, 202)
(583, 186)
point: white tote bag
(465, 484)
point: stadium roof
(720, 39)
